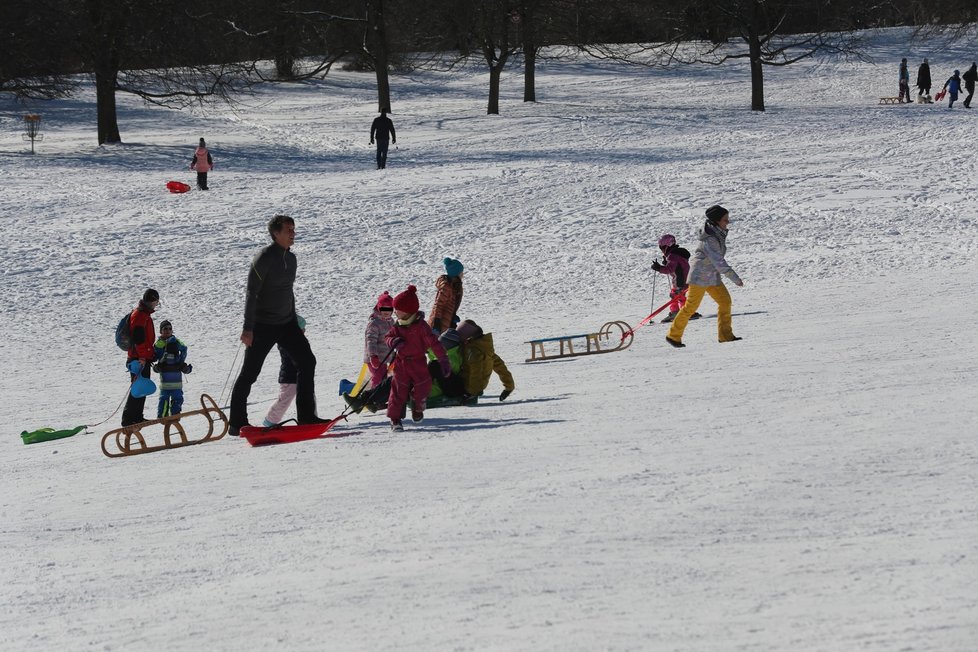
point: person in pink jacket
(375, 349)
(676, 267)
(411, 337)
(202, 163)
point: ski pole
(655, 276)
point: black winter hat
(165, 324)
(150, 296)
(715, 213)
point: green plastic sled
(48, 434)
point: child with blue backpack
(171, 363)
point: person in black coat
(969, 78)
(923, 78)
(383, 129)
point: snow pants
(377, 375)
(411, 379)
(677, 298)
(202, 180)
(294, 342)
(904, 91)
(171, 402)
(286, 394)
(971, 93)
(694, 295)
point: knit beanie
(151, 295)
(407, 301)
(453, 267)
(384, 301)
(468, 329)
(715, 213)
(165, 324)
(202, 143)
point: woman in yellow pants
(705, 270)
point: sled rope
(231, 373)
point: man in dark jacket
(969, 78)
(270, 319)
(383, 129)
(923, 78)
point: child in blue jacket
(171, 363)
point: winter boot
(696, 315)
(668, 318)
(675, 343)
(417, 415)
(396, 425)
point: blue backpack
(123, 336)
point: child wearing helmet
(676, 267)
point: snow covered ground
(809, 488)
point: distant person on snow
(287, 384)
(270, 319)
(953, 87)
(923, 78)
(676, 267)
(970, 76)
(411, 338)
(704, 278)
(904, 81)
(383, 129)
(143, 336)
(448, 297)
(202, 163)
(171, 364)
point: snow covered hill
(811, 487)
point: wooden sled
(613, 336)
(129, 440)
(890, 100)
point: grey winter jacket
(707, 262)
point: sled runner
(283, 434)
(130, 440)
(177, 187)
(890, 100)
(600, 341)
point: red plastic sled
(177, 186)
(940, 95)
(259, 436)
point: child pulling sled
(676, 267)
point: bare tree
(765, 32)
(35, 51)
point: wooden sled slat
(129, 440)
(613, 336)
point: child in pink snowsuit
(375, 349)
(676, 267)
(411, 338)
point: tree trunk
(495, 73)
(108, 123)
(528, 27)
(378, 43)
(756, 75)
(105, 59)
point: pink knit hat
(384, 301)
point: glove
(446, 368)
(371, 142)
(156, 368)
(436, 325)
(374, 362)
(656, 266)
(187, 368)
(739, 283)
(396, 342)
(503, 395)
